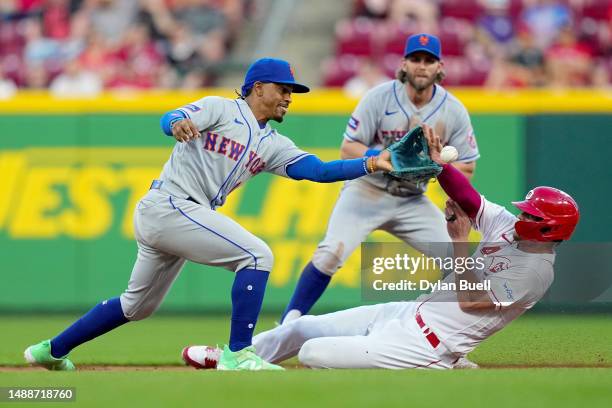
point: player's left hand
(383, 161)
(434, 144)
(185, 130)
(458, 223)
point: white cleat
(464, 364)
(201, 357)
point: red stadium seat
(596, 9)
(391, 63)
(336, 71)
(462, 72)
(452, 44)
(464, 9)
(393, 37)
(11, 38)
(355, 37)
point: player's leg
(285, 341)
(208, 237)
(419, 223)
(152, 275)
(393, 343)
(360, 209)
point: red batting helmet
(558, 210)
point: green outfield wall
(71, 179)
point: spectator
(545, 19)
(375, 9)
(524, 66)
(422, 13)
(138, 59)
(495, 26)
(368, 75)
(569, 62)
(39, 49)
(76, 82)
(199, 15)
(56, 19)
(36, 77)
(111, 18)
(98, 57)
(7, 87)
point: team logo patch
(192, 107)
(472, 139)
(353, 123)
(489, 250)
(499, 263)
(292, 71)
(423, 40)
(529, 195)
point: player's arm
(454, 183)
(467, 168)
(459, 226)
(176, 123)
(353, 149)
(186, 122)
(314, 169)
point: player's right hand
(433, 141)
(184, 130)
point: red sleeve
(459, 189)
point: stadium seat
(596, 9)
(464, 9)
(355, 37)
(338, 70)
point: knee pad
(308, 354)
(259, 257)
(133, 310)
(329, 257)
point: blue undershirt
(168, 120)
(313, 169)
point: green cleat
(244, 360)
(40, 355)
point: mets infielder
(439, 328)
(374, 202)
(224, 143)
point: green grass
(537, 340)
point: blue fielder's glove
(411, 160)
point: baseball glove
(411, 160)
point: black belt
(156, 185)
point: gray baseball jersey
(231, 150)
(386, 113)
(171, 228)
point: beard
(420, 84)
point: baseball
(449, 154)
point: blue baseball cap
(423, 42)
(271, 70)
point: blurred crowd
(80, 47)
(491, 43)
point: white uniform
(175, 221)
(430, 332)
(376, 201)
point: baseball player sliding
(377, 201)
(439, 328)
(222, 144)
